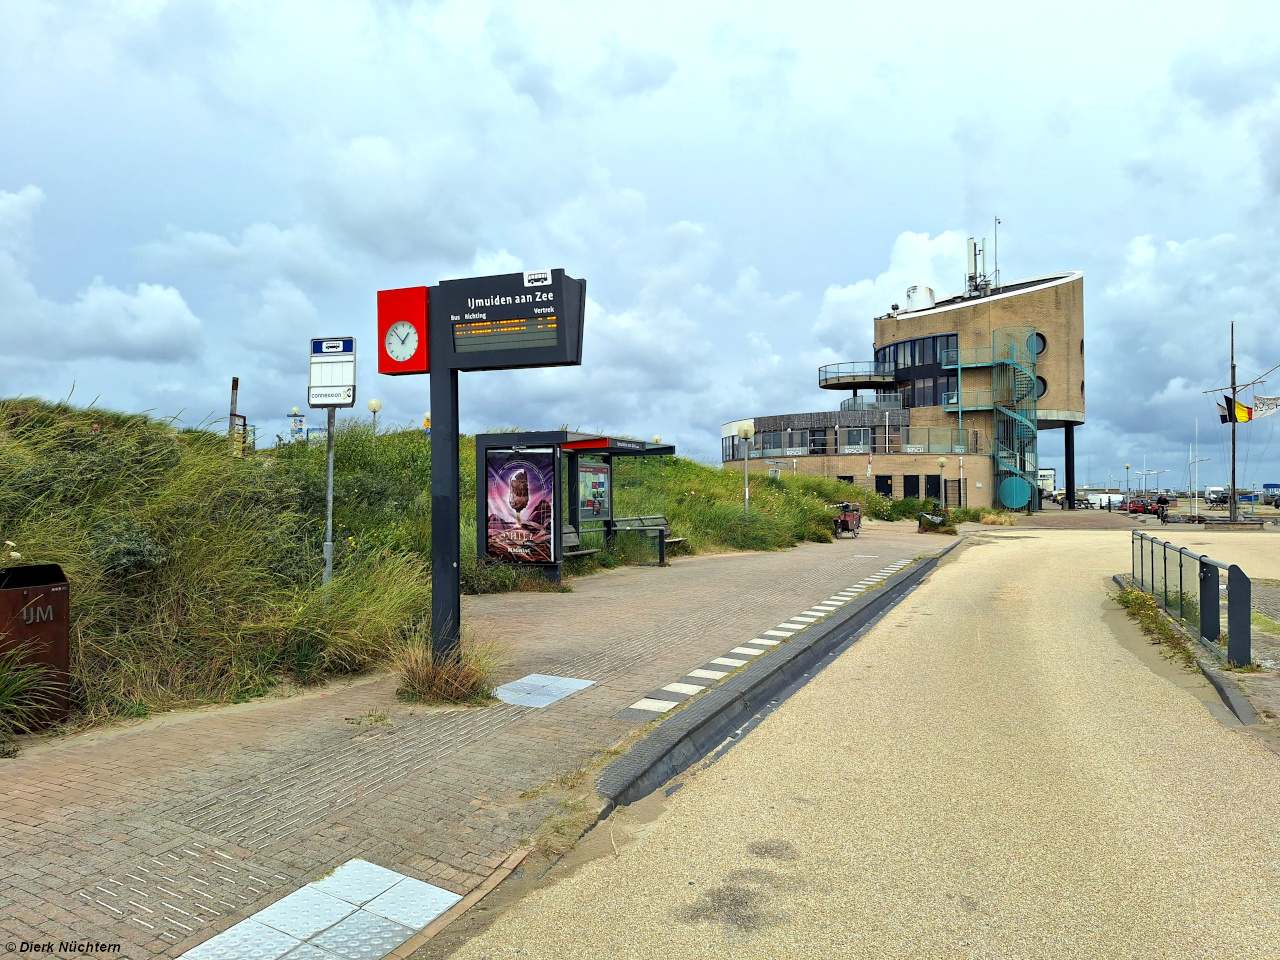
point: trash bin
(35, 607)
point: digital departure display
(515, 334)
(511, 321)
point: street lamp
(942, 469)
(374, 406)
(745, 432)
(1126, 481)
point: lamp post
(745, 432)
(1126, 483)
(374, 406)
(942, 470)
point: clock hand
(406, 336)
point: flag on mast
(1234, 412)
(1265, 406)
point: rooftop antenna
(996, 231)
(977, 281)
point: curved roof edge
(1027, 285)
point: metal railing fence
(1188, 586)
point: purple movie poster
(521, 509)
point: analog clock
(401, 341)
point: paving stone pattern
(161, 835)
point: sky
(191, 190)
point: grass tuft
(466, 675)
(1143, 609)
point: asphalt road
(989, 773)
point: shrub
(25, 689)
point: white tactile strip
(361, 911)
(660, 701)
(539, 690)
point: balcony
(888, 401)
(863, 375)
(966, 357)
(968, 400)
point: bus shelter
(536, 489)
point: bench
(571, 544)
(656, 526)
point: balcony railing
(889, 401)
(968, 400)
(967, 357)
(864, 370)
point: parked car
(1141, 505)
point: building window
(924, 351)
(797, 443)
(1038, 344)
(1042, 387)
(925, 392)
(772, 444)
(818, 442)
(728, 448)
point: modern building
(971, 380)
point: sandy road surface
(988, 773)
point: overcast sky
(190, 190)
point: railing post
(1209, 617)
(662, 547)
(1164, 577)
(1239, 629)
(1181, 617)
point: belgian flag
(1234, 412)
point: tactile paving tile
(309, 951)
(413, 903)
(358, 881)
(247, 940)
(363, 936)
(539, 690)
(305, 912)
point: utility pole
(1235, 507)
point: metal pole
(231, 420)
(1235, 508)
(746, 487)
(328, 503)
(446, 589)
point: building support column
(1069, 450)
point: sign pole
(446, 592)
(328, 502)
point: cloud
(844, 323)
(153, 323)
(626, 73)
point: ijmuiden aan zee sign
(333, 373)
(530, 319)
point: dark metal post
(1181, 616)
(572, 486)
(1069, 451)
(328, 501)
(1209, 618)
(1239, 605)
(662, 547)
(1164, 584)
(446, 591)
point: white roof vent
(920, 298)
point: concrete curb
(684, 738)
(1229, 691)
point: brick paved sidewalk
(160, 835)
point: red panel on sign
(403, 345)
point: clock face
(402, 341)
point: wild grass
(988, 516)
(1143, 610)
(194, 575)
(25, 695)
(466, 675)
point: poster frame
(585, 460)
(557, 508)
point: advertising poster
(594, 500)
(520, 495)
